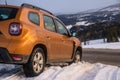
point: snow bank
(115, 45)
(99, 44)
(77, 71)
(91, 42)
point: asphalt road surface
(106, 56)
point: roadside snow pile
(115, 45)
(99, 44)
(77, 71)
(91, 42)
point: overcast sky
(65, 6)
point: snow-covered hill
(100, 16)
(115, 7)
(110, 13)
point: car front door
(53, 39)
(66, 45)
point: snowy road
(100, 51)
(76, 71)
(106, 56)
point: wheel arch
(44, 49)
(77, 48)
(80, 49)
(29, 68)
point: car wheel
(77, 57)
(35, 64)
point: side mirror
(70, 34)
(74, 34)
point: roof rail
(35, 7)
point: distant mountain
(110, 13)
(115, 7)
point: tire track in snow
(14, 76)
(50, 74)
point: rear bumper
(6, 57)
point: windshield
(7, 13)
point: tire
(77, 57)
(36, 63)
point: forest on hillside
(102, 30)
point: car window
(60, 28)
(7, 13)
(34, 18)
(49, 24)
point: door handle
(62, 40)
(48, 37)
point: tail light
(15, 29)
(17, 58)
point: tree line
(102, 30)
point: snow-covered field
(99, 44)
(76, 71)
(94, 42)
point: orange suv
(34, 37)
